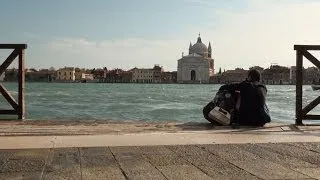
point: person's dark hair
(254, 75)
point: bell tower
(209, 50)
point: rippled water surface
(150, 102)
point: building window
(193, 75)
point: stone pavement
(211, 161)
(99, 150)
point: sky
(141, 33)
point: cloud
(262, 33)
(265, 33)
(120, 53)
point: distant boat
(315, 87)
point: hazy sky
(141, 33)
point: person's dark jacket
(253, 110)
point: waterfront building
(233, 76)
(66, 74)
(216, 79)
(308, 75)
(114, 76)
(87, 77)
(312, 75)
(11, 75)
(157, 70)
(197, 66)
(276, 74)
(100, 74)
(78, 73)
(141, 75)
(293, 74)
(169, 77)
(126, 77)
(43, 75)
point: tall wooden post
(18, 106)
(299, 83)
(21, 80)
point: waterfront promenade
(96, 150)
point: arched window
(193, 75)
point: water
(148, 102)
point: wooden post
(21, 80)
(299, 83)
(18, 106)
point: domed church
(197, 66)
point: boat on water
(315, 87)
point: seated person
(251, 105)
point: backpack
(220, 111)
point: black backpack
(225, 98)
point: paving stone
(229, 172)
(153, 150)
(102, 173)
(185, 172)
(166, 160)
(63, 163)
(66, 152)
(211, 164)
(188, 150)
(125, 151)
(268, 170)
(31, 160)
(286, 161)
(229, 161)
(198, 157)
(4, 156)
(94, 151)
(134, 165)
(230, 152)
(315, 147)
(139, 150)
(311, 172)
(20, 176)
(252, 163)
(99, 163)
(145, 174)
(294, 151)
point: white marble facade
(198, 66)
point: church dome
(199, 47)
